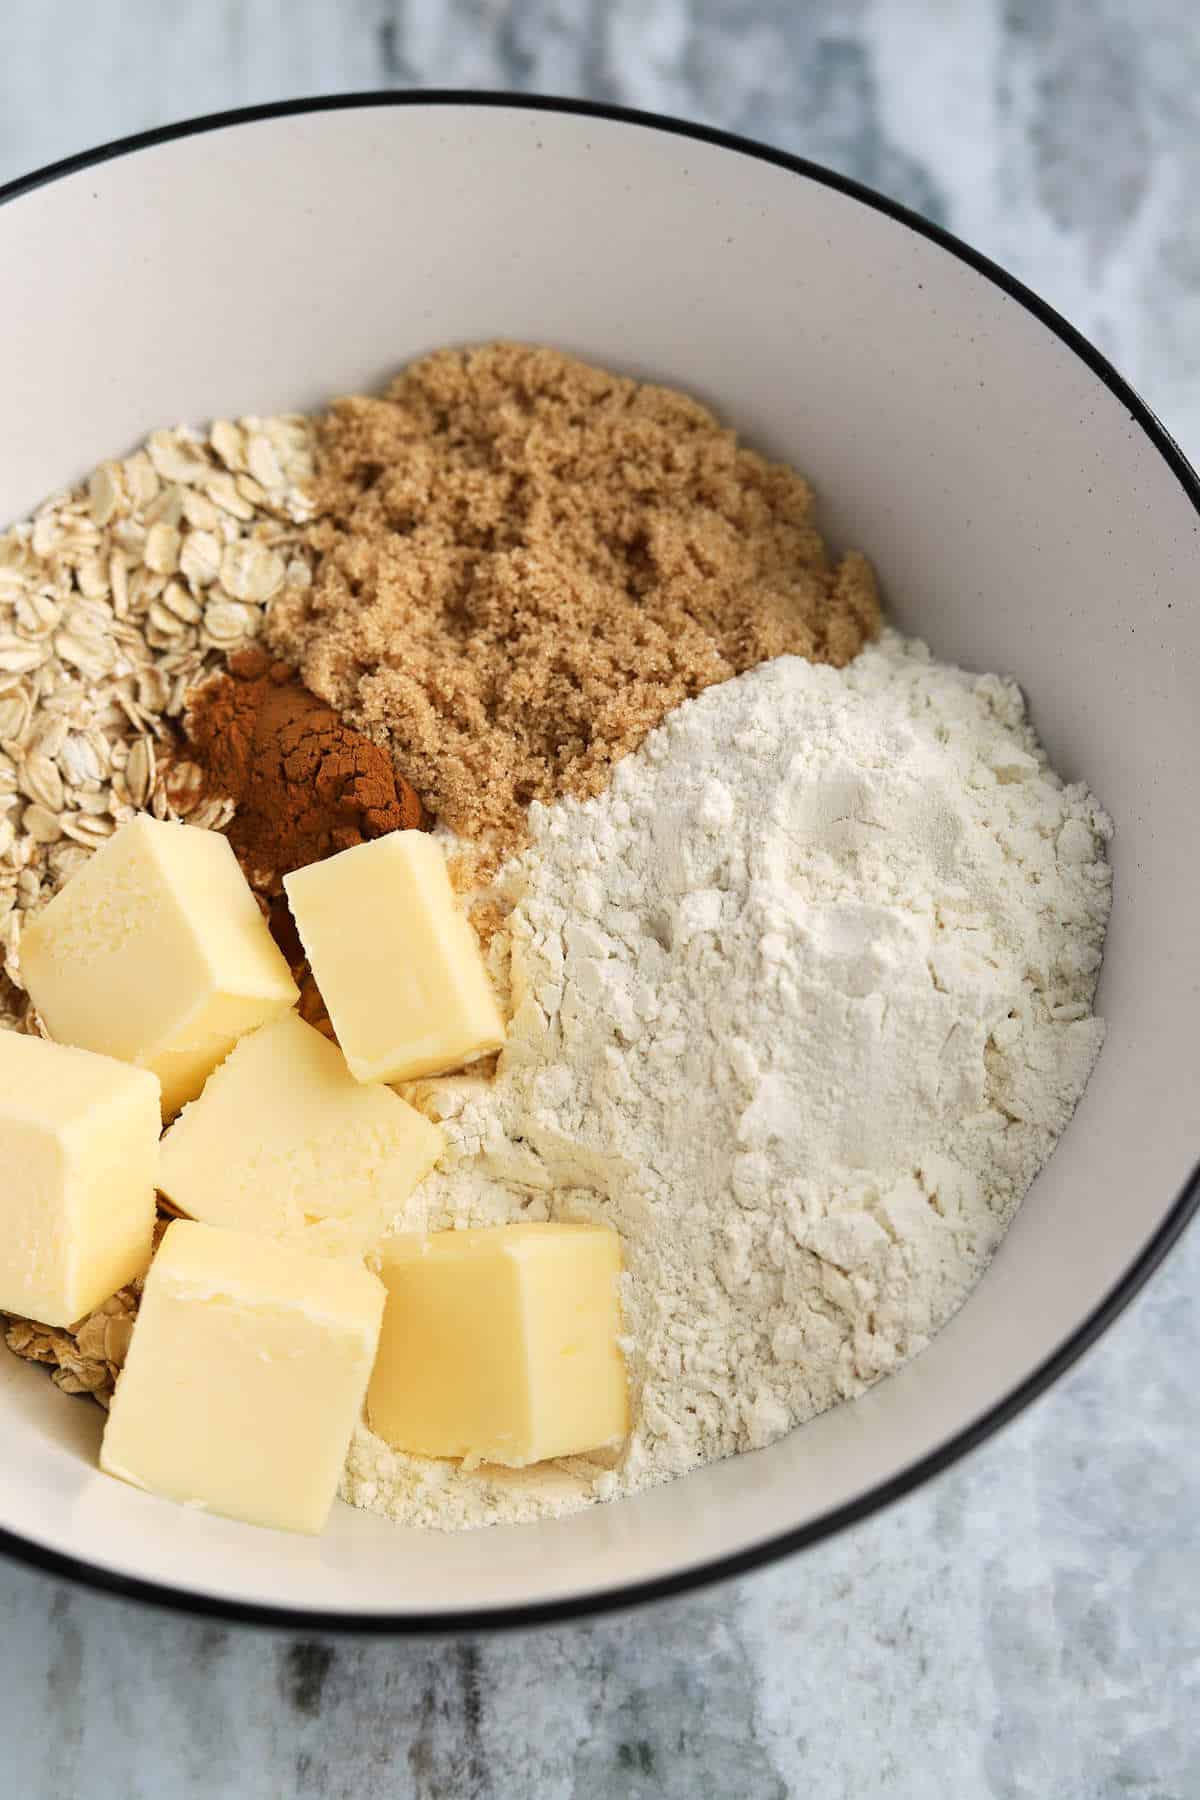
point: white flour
(801, 1005)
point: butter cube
(155, 952)
(283, 1141)
(397, 964)
(499, 1344)
(78, 1150)
(245, 1377)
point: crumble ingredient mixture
(801, 1004)
(525, 562)
(859, 902)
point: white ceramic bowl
(1026, 513)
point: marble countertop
(1023, 1628)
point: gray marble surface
(1025, 1628)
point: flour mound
(800, 1006)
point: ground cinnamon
(306, 785)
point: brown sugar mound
(306, 784)
(526, 562)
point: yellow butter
(78, 1152)
(397, 964)
(245, 1377)
(285, 1142)
(155, 952)
(500, 1343)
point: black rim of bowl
(838, 1518)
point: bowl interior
(1022, 521)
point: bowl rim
(587, 1605)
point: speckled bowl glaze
(1025, 510)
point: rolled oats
(48, 734)
(229, 623)
(116, 598)
(95, 803)
(42, 826)
(184, 783)
(18, 657)
(223, 491)
(177, 598)
(263, 462)
(249, 571)
(199, 511)
(90, 829)
(14, 716)
(35, 615)
(40, 780)
(229, 443)
(139, 771)
(162, 548)
(162, 626)
(105, 492)
(200, 557)
(93, 659)
(79, 758)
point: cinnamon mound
(306, 785)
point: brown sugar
(525, 562)
(306, 785)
